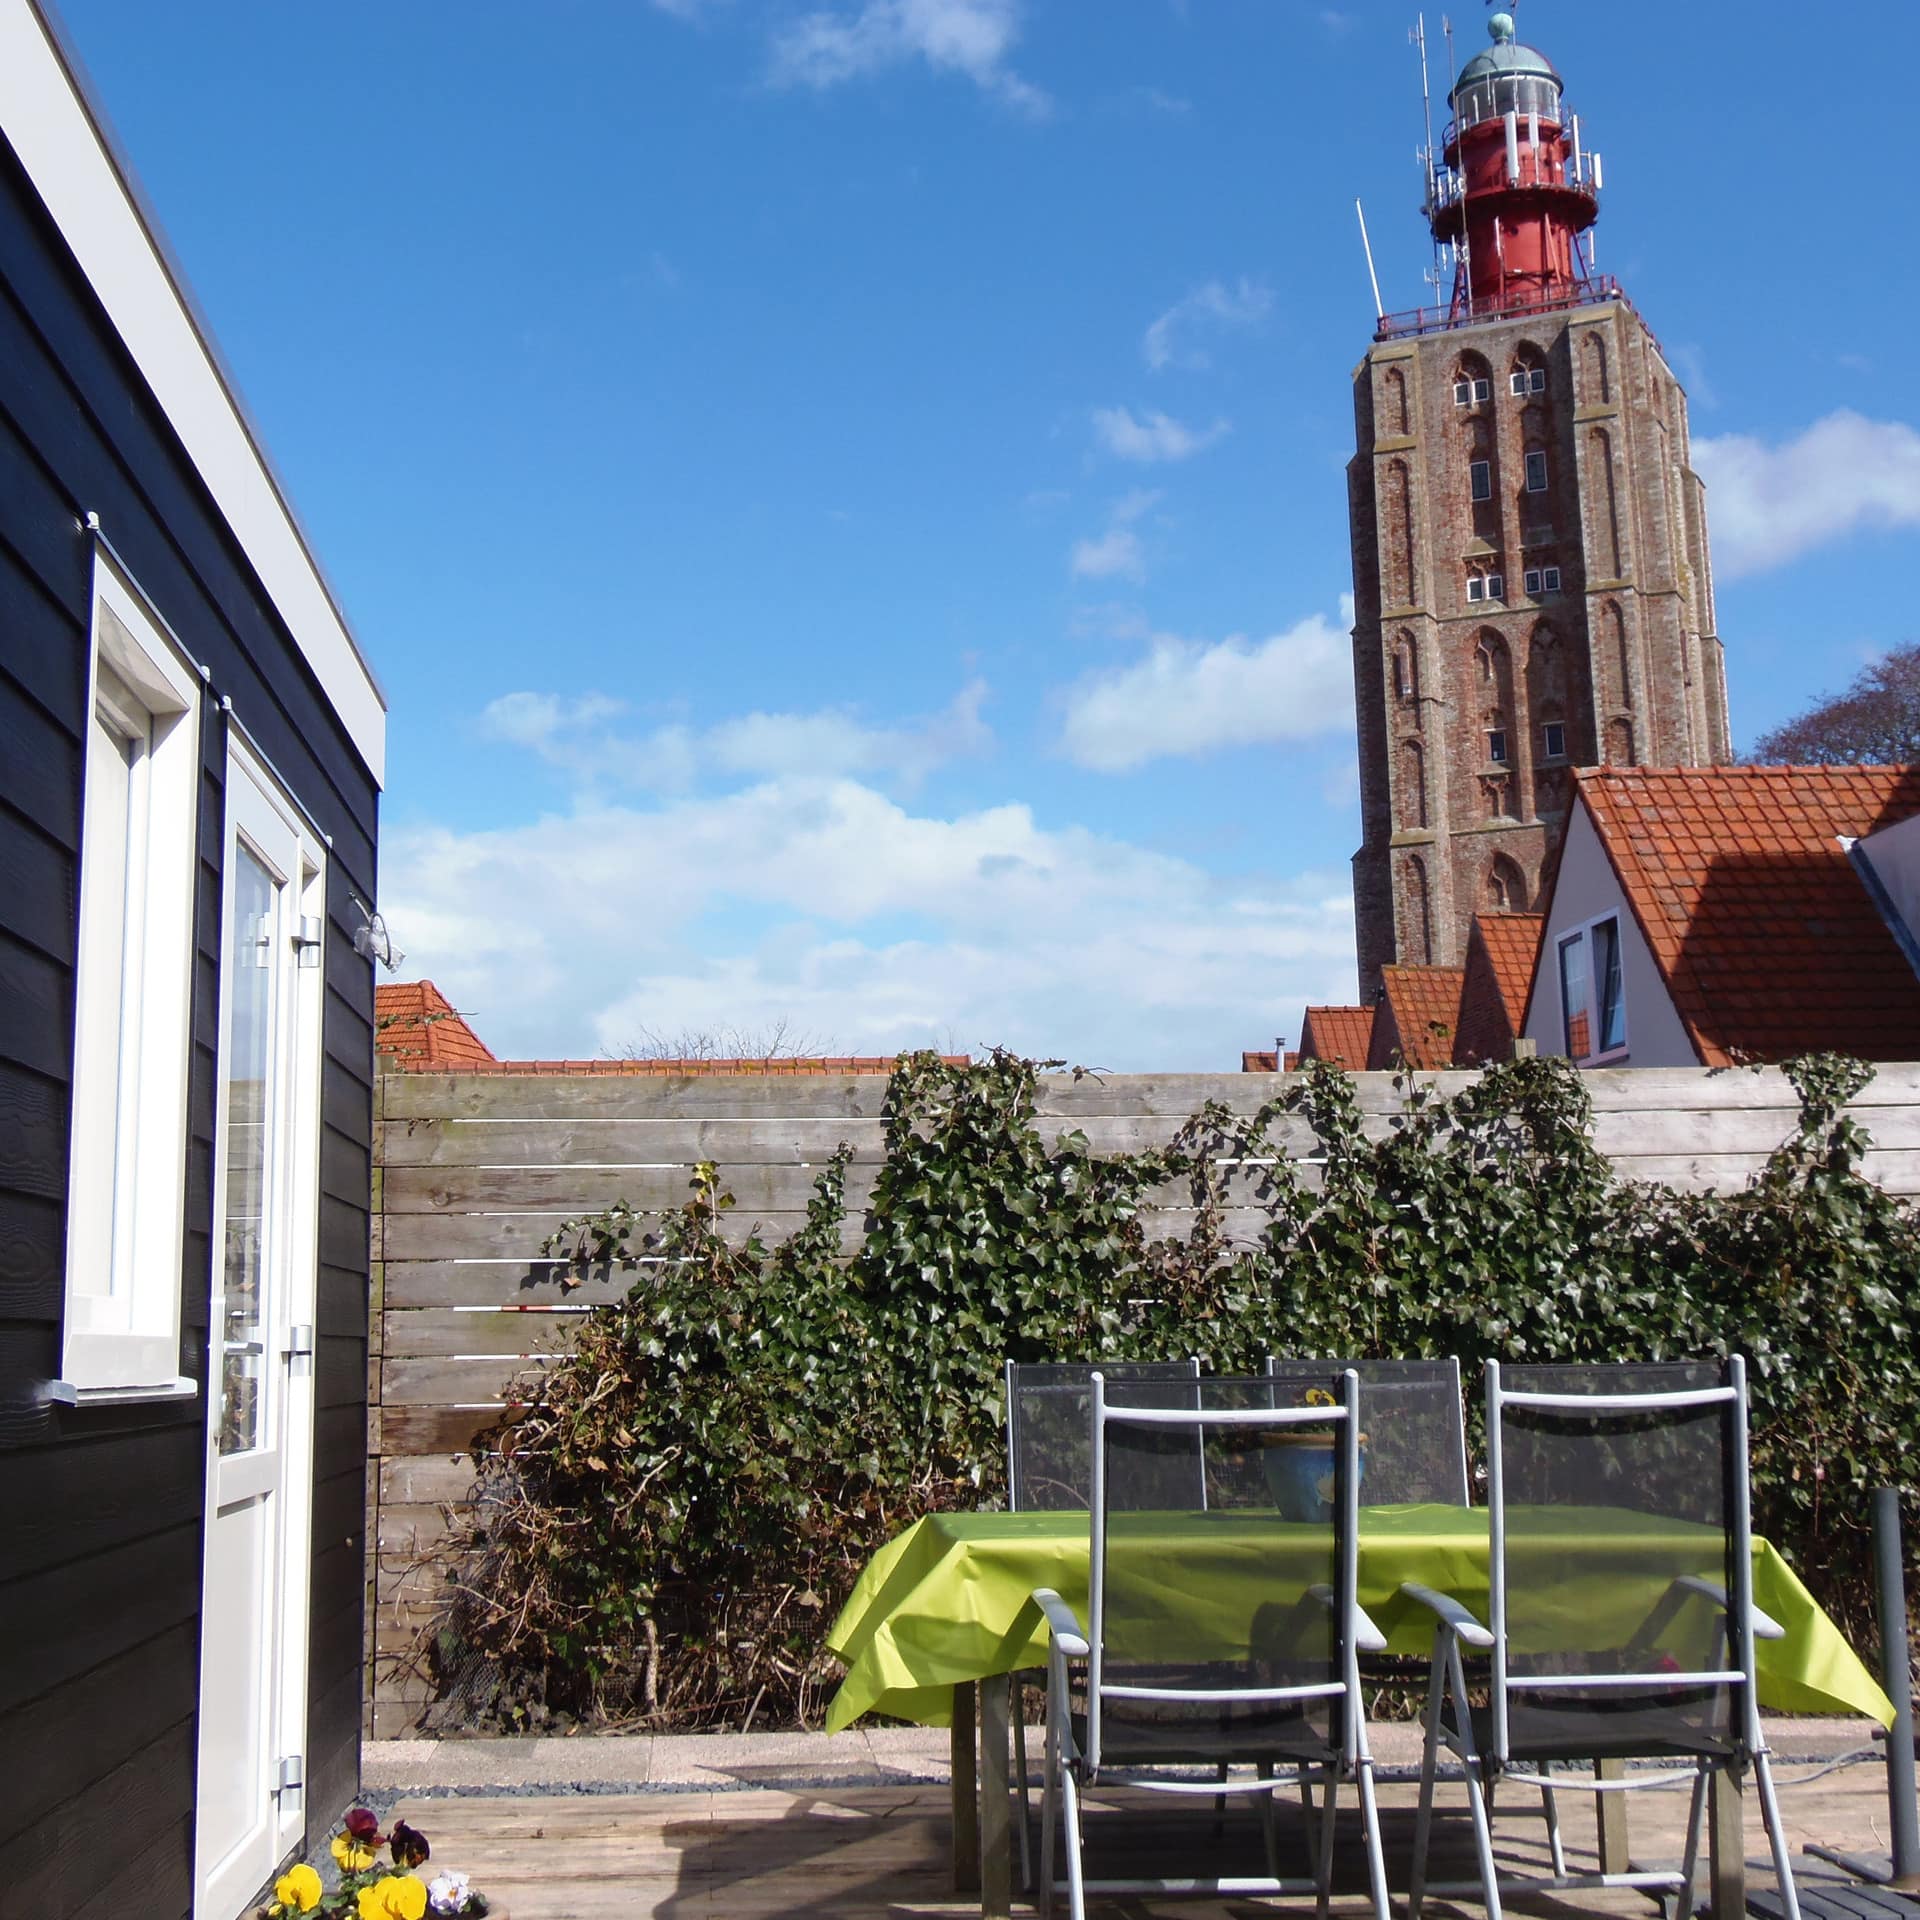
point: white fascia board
(60, 136)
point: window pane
(1573, 996)
(1497, 747)
(1606, 967)
(1536, 473)
(1481, 473)
(247, 1072)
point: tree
(1876, 722)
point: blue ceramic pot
(1300, 1476)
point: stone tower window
(1506, 889)
(1406, 671)
(1413, 785)
(1536, 470)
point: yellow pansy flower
(352, 1857)
(398, 1897)
(298, 1888)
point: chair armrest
(1765, 1627)
(1062, 1627)
(1450, 1613)
(1367, 1638)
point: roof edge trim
(52, 118)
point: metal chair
(1622, 1622)
(1049, 1429)
(1416, 1426)
(1050, 1470)
(1223, 1640)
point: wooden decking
(860, 1853)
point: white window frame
(133, 997)
(1583, 935)
(1537, 471)
(1548, 728)
(1463, 393)
(1496, 586)
(1518, 384)
(1503, 757)
(1530, 580)
(1549, 579)
(1480, 480)
(1482, 390)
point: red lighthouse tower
(1513, 191)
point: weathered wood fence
(473, 1171)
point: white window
(126, 1176)
(1496, 586)
(1531, 581)
(1553, 739)
(1480, 473)
(1483, 389)
(1497, 746)
(1462, 393)
(1519, 383)
(1530, 380)
(1593, 1006)
(1536, 473)
(1549, 579)
(1476, 587)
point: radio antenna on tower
(1417, 33)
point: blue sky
(846, 500)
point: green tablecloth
(948, 1600)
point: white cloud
(1212, 308)
(1768, 505)
(1156, 436)
(877, 928)
(968, 37)
(1117, 553)
(1189, 697)
(581, 735)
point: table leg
(966, 1810)
(996, 1825)
(1727, 1847)
(1610, 1814)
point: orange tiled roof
(1260, 1062)
(417, 1031)
(1343, 1035)
(1499, 974)
(1419, 1015)
(1765, 935)
(416, 1028)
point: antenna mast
(1379, 311)
(1418, 35)
(1463, 276)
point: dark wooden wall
(100, 1510)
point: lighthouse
(1532, 585)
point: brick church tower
(1532, 590)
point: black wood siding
(100, 1510)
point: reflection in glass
(247, 1066)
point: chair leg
(1550, 1806)
(1480, 1803)
(1376, 1853)
(1049, 1805)
(1776, 1834)
(1076, 1871)
(1270, 1821)
(1690, 1860)
(1323, 1873)
(1309, 1822)
(1429, 1769)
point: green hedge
(668, 1524)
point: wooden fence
(473, 1171)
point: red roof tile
(1418, 1016)
(1260, 1062)
(416, 1028)
(1765, 935)
(1340, 1034)
(1493, 998)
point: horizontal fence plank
(442, 1382)
(433, 1429)
(452, 1330)
(575, 1190)
(490, 1283)
(417, 1478)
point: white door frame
(231, 1867)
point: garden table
(942, 1614)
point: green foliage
(667, 1525)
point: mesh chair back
(1226, 1632)
(1416, 1448)
(1050, 1427)
(1621, 1566)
